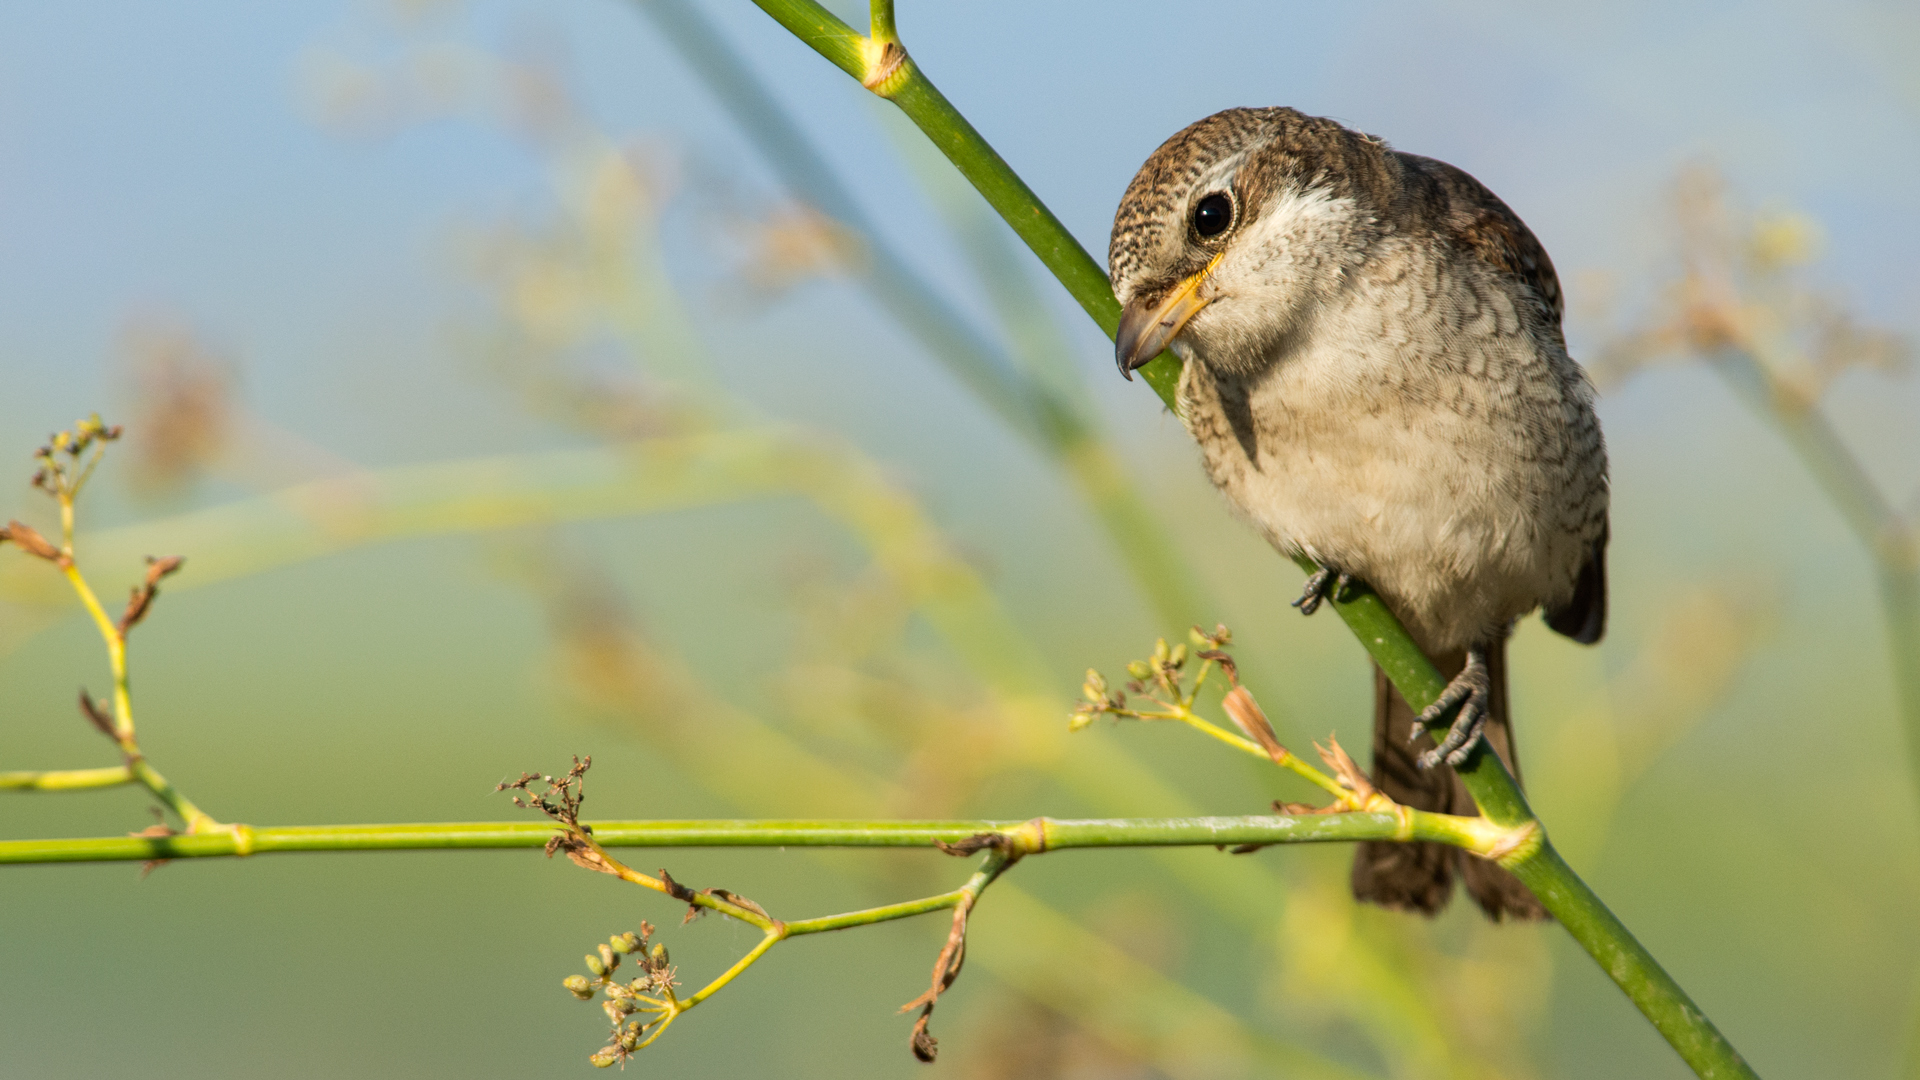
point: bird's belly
(1440, 512)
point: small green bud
(579, 987)
(625, 943)
(594, 965)
(1140, 670)
(1179, 655)
(630, 1039)
(603, 1059)
(1095, 687)
(1159, 651)
(609, 957)
(1079, 720)
(657, 959)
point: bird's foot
(1324, 584)
(1470, 690)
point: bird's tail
(1419, 876)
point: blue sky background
(165, 160)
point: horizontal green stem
(1059, 834)
(66, 779)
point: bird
(1374, 369)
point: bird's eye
(1213, 214)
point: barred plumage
(1376, 376)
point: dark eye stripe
(1213, 214)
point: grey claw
(1469, 690)
(1318, 589)
(1460, 739)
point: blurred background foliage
(509, 402)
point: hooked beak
(1146, 330)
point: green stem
(881, 19)
(1602, 934)
(195, 819)
(983, 167)
(772, 938)
(1391, 647)
(1660, 999)
(1058, 834)
(66, 779)
(1055, 423)
(991, 868)
(869, 916)
(1891, 541)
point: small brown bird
(1376, 376)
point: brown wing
(1475, 217)
(1454, 203)
(1584, 618)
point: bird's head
(1235, 228)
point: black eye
(1212, 216)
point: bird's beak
(1145, 329)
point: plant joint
(887, 68)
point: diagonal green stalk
(884, 67)
(1890, 540)
(1055, 423)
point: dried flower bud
(30, 541)
(578, 986)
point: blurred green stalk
(1059, 426)
(1890, 540)
(882, 65)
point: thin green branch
(890, 73)
(1890, 539)
(881, 18)
(1056, 423)
(62, 476)
(977, 161)
(1055, 834)
(66, 779)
